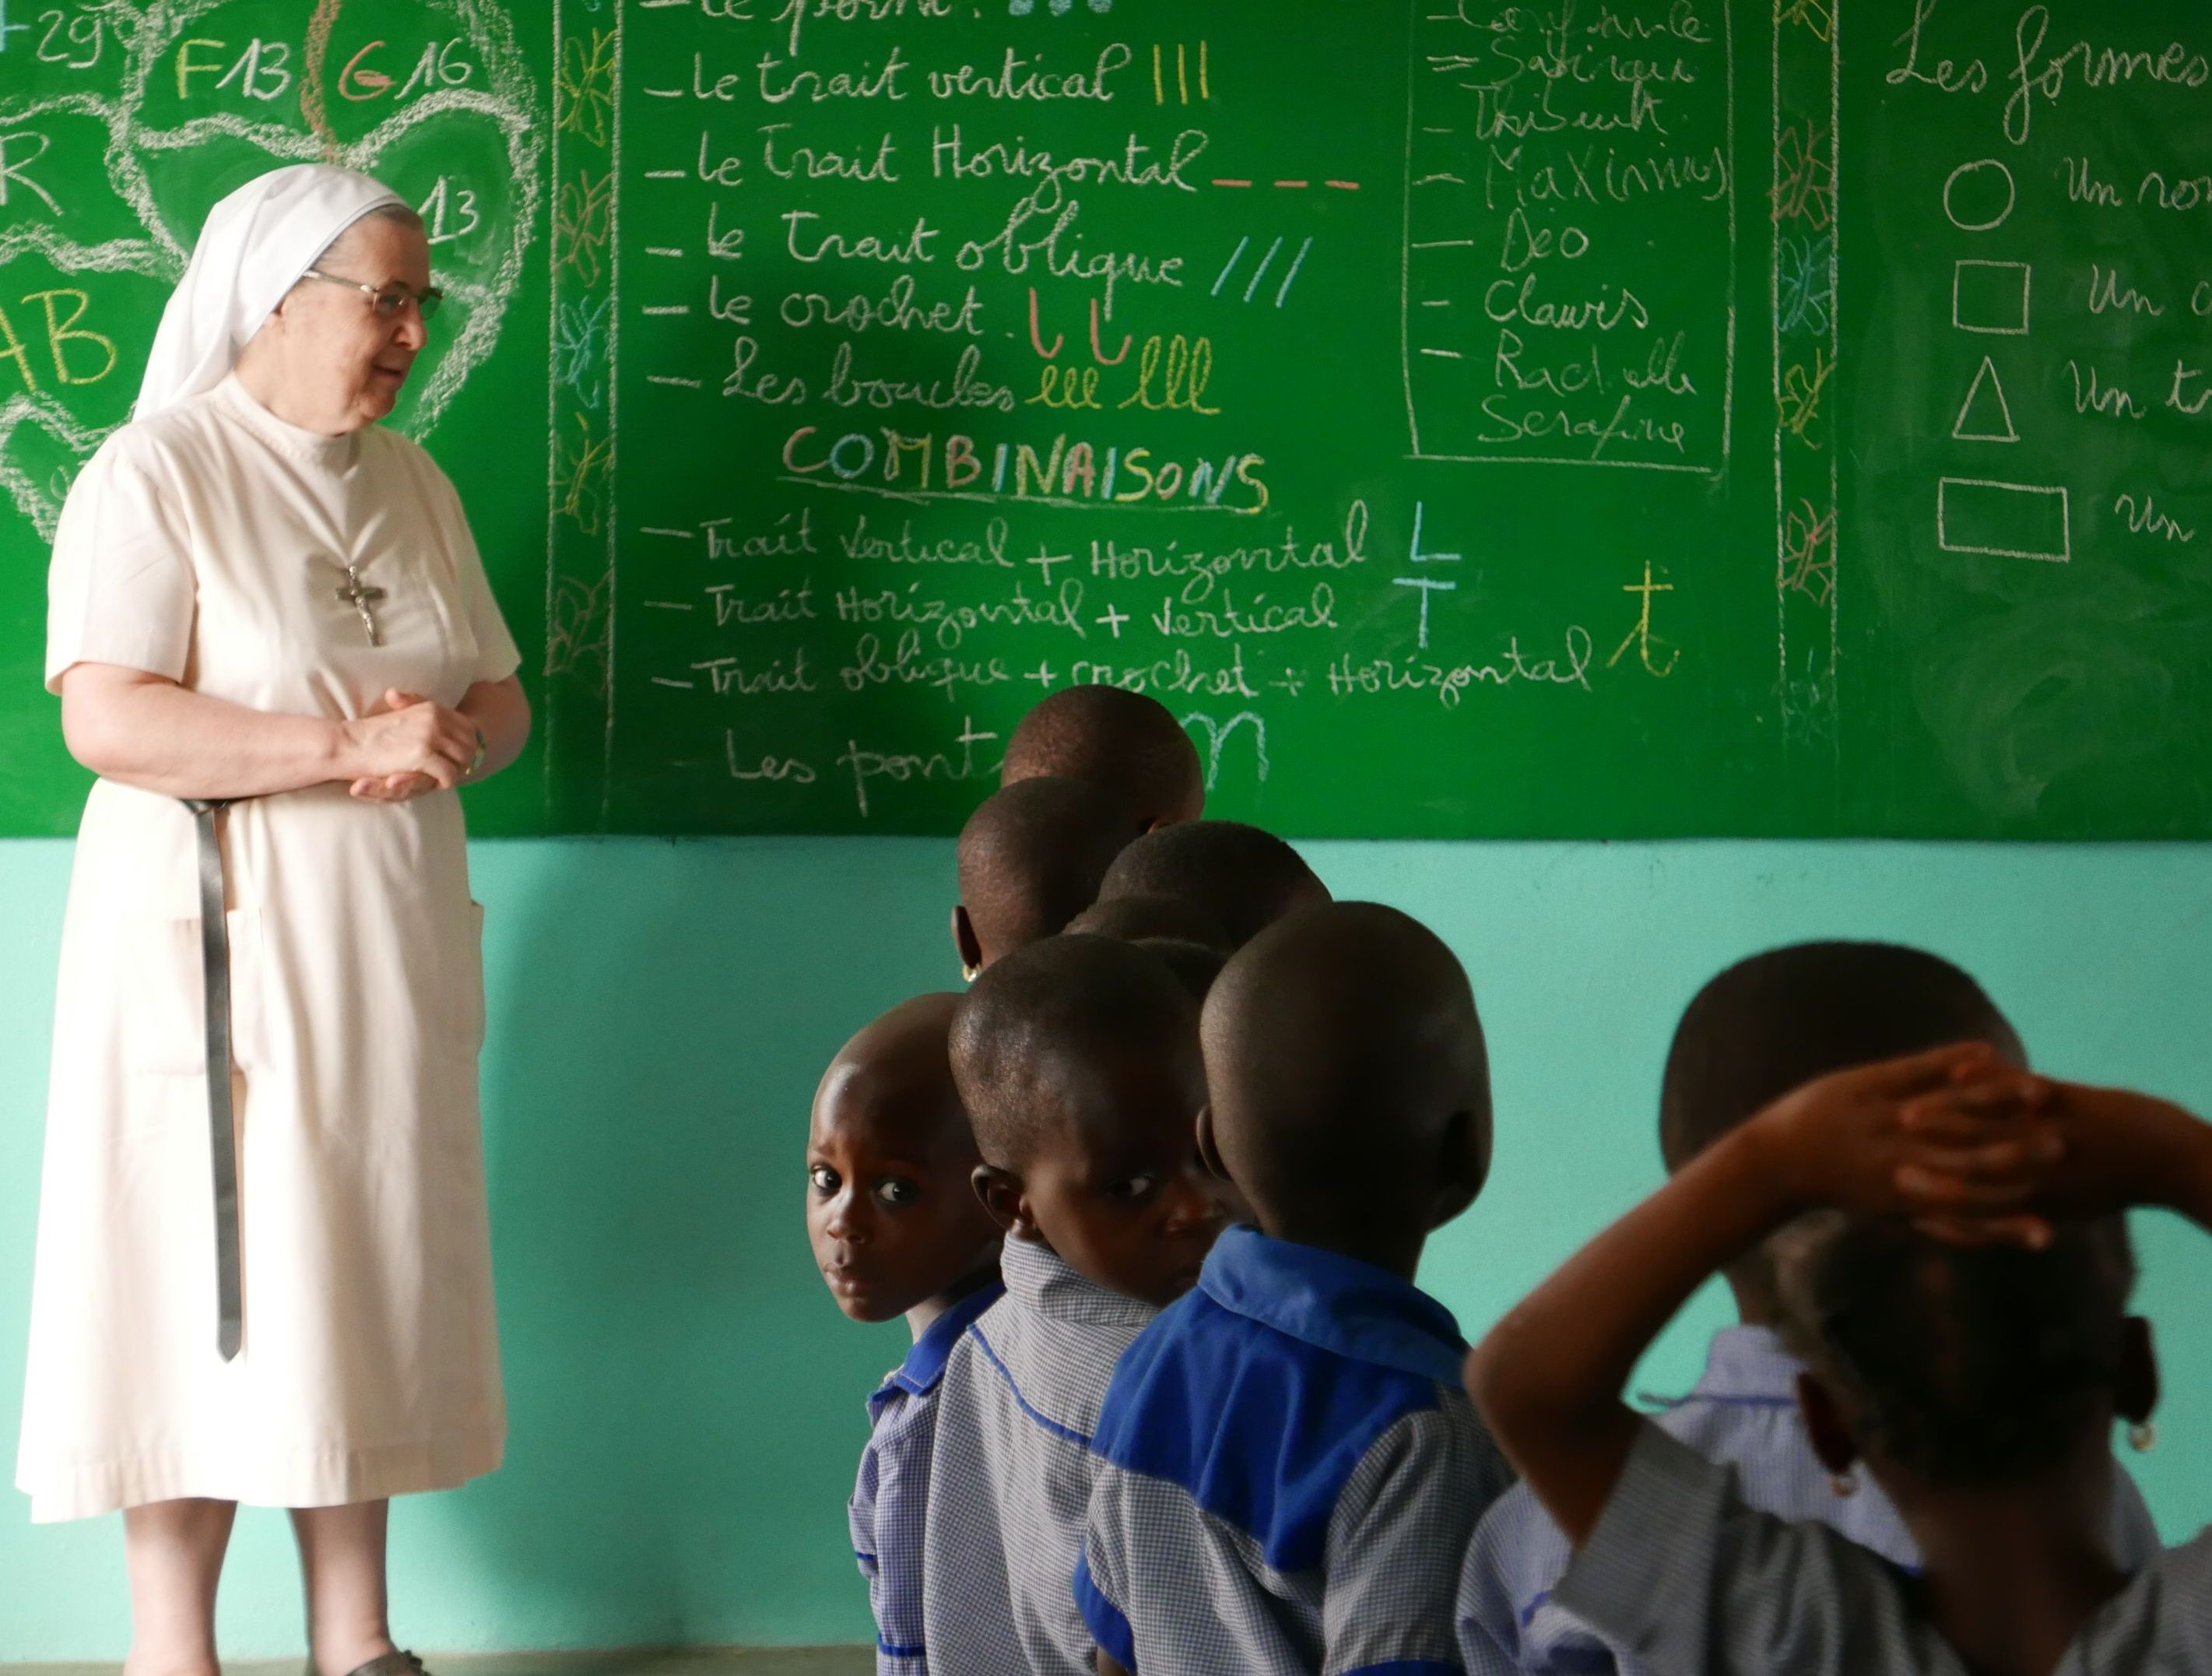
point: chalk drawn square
(2010, 519)
(1990, 297)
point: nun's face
(337, 359)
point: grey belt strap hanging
(222, 1136)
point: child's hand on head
(1948, 1136)
(2103, 1150)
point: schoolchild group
(1152, 1193)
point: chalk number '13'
(450, 212)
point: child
(1195, 964)
(1079, 1058)
(1031, 859)
(1289, 1470)
(897, 1230)
(1978, 1382)
(1757, 1030)
(1247, 879)
(1147, 918)
(1121, 741)
(1183, 934)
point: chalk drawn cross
(1641, 636)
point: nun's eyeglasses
(389, 302)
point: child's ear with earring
(2137, 1390)
(966, 944)
(1829, 1435)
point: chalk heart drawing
(492, 102)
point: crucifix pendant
(363, 599)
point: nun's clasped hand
(408, 746)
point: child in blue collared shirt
(1289, 1473)
(1758, 1029)
(897, 1230)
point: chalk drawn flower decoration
(498, 97)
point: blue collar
(1748, 1364)
(1336, 1302)
(924, 1367)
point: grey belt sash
(222, 1136)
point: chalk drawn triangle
(1984, 416)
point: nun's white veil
(257, 243)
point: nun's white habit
(208, 541)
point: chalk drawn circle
(1966, 170)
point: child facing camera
(1965, 1320)
(1077, 1058)
(897, 1230)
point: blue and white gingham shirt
(1701, 1585)
(1289, 1475)
(1011, 1474)
(1743, 1413)
(890, 1500)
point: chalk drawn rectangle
(1990, 297)
(2009, 520)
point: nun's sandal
(390, 1664)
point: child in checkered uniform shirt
(897, 1230)
(1757, 1030)
(1961, 1301)
(1079, 1058)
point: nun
(264, 1271)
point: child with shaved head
(1244, 878)
(1189, 939)
(1121, 741)
(897, 1230)
(1031, 858)
(1077, 1057)
(1288, 1471)
(1147, 918)
(1759, 1029)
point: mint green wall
(686, 1402)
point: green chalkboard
(1623, 418)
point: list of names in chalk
(1559, 161)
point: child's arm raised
(1548, 1377)
(2116, 1149)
